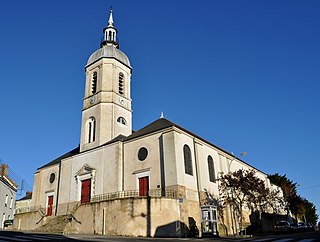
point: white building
(155, 179)
(8, 189)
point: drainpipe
(197, 177)
(162, 171)
(122, 160)
(58, 189)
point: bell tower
(106, 111)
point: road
(17, 236)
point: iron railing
(30, 209)
(133, 194)
(155, 193)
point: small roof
(26, 197)
(109, 51)
(157, 125)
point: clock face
(92, 100)
(121, 100)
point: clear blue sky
(242, 74)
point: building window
(52, 177)
(142, 153)
(121, 83)
(94, 82)
(212, 176)
(187, 160)
(143, 186)
(122, 120)
(11, 203)
(85, 191)
(91, 127)
(6, 201)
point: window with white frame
(11, 203)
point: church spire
(110, 33)
(110, 22)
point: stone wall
(28, 221)
(130, 217)
(158, 217)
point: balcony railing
(109, 40)
(156, 193)
(133, 194)
(29, 209)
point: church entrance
(49, 205)
(85, 191)
(143, 186)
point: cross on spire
(110, 33)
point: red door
(85, 190)
(143, 186)
(50, 203)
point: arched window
(187, 160)
(122, 120)
(121, 83)
(91, 126)
(212, 176)
(94, 82)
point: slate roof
(163, 123)
(66, 155)
(109, 51)
(155, 126)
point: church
(161, 180)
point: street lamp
(234, 158)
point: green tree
(289, 190)
(299, 206)
(242, 188)
(311, 215)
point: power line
(22, 184)
(303, 188)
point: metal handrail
(155, 193)
(133, 194)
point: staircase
(58, 224)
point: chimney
(4, 170)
